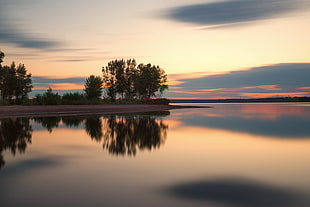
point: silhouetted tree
(93, 87)
(15, 134)
(1, 57)
(125, 79)
(14, 81)
(7, 82)
(109, 78)
(150, 79)
(125, 73)
(23, 82)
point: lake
(225, 156)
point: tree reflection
(72, 121)
(93, 127)
(121, 134)
(124, 135)
(48, 122)
(15, 134)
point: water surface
(229, 155)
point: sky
(208, 48)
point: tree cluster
(122, 80)
(15, 82)
(127, 80)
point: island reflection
(121, 135)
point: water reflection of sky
(192, 157)
(274, 120)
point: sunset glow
(189, 40)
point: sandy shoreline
(75, 110)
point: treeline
(122, 81)
(51, 98)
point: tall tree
(130, 74)
(7, 81)
(109, 78)
(93, 87)
(23, 82)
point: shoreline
(17, 111)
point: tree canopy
(127, 80)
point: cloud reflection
(237, 192)
(280, 121)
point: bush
(73, 99)
(48, 98)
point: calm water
(229, 155)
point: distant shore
(241, 100)
(14, 111)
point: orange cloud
(304, 88)
(271, 95)
(62, 86)
(264, 87)
(175, 88)
(214, 89)
(188, 92)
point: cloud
(11, 32)
(45, 79)
(232, 13)
(59, 85)
(25, 39)
(266, 81)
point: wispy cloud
(46, 79)
(58, 84)
(25, 39)
(235, 13)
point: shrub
(48, 98)
(73, 98)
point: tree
(125, 79)
(23, 82)
(130, 74)
(7, 81)
(1, 57)
(150, 79)
(109, 78)
(93, 87)
(14, 81)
